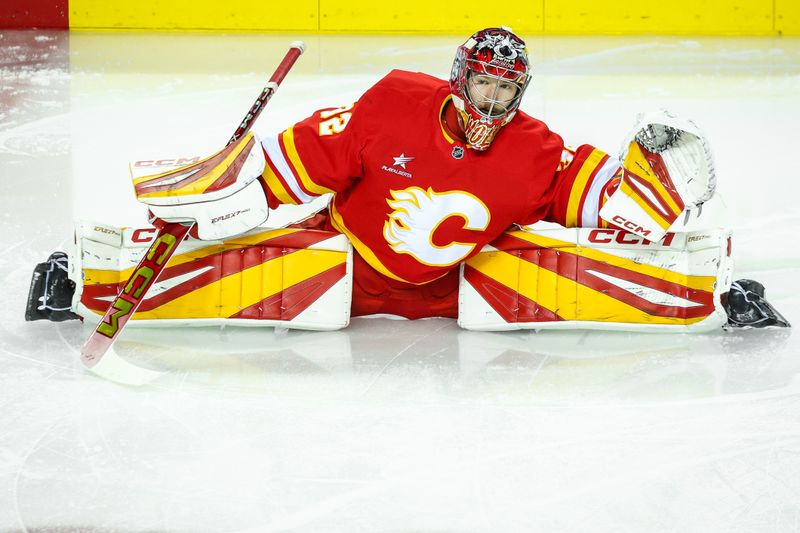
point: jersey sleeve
(316, 156)
(584, 179)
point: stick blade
(114, 368)
(94, 349)
(135, 289)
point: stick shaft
(269, 89)
(169, 237)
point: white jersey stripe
(591, 206)
(273, 149)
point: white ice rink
(391, 426)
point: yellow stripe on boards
(573, 17)
(237, 15)
(681, 17)
(417, 16)
(787, 17)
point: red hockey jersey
(416, 202)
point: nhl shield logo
(458, 152)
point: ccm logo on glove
(630, 226)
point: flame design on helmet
(495, 52)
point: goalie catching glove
(220, 193)
(667, 168)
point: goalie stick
(97, 353)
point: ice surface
(390, 426)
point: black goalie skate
(747, 307)
(50, 295)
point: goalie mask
(489, 76)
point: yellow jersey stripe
(441, 123)
(294, 157)
(276, 186)
(579, 187)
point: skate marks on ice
(415, 354)
(350, 430)
(34, 100)
(393, 426)
(257, 429)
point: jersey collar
(448, 113)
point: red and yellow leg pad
(600, 278)
(294, 278)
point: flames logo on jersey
(417, 213)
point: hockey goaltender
(434, 186)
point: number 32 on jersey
(335, 120)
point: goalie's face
(489, 76)
(492, 95)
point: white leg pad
(288, 277)
(602, 278)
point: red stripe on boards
(34, 14)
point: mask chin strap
(479, 135)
